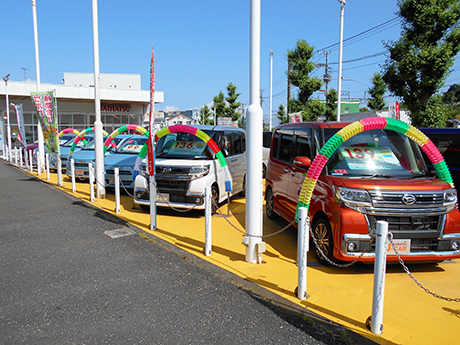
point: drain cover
(119, 233)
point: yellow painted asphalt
(342, 295)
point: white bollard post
(117, 189)
(91, 181)
(59, 169)
(47, 161)
(72, 171)
(39, 165)
(207, 215)
(31, 166)
(20, 158)
(153, 203)
(302, 249)
(379, 276)
(15, 155)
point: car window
(132, 145)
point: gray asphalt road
(63, 281)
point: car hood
(120, 159)
(86, 155)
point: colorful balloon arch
(203, 136)
(122, 129)
(80, 136)
(68, 130)
(364, 125)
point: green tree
(282, 114)
(206, 116)
(363, 109)
(377, 101)
(299, 76)
(330, 108)
(421, 59)
(452, 96)
(220, 105)
(232, 102)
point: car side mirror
(301, 161)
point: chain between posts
(334, 263)
(244, 232)
(420, 285)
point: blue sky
(200, 46)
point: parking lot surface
(341, 295)
(68, 279)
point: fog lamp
(198, 201)
(352, 246)
(455, 245)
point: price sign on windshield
(187, 147)
(366, 157)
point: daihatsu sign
(123, 109)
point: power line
(362, 33)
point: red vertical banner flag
(150, 153)
(398, 112)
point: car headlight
(353, 198)
(198, 170)
(143, 170)
(450, 199)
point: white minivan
(185, 165)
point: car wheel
(215, 199)
(270, 204)
(145, 207)
(264, 171)
(323, 236)
(243, 191)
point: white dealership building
(122, 101)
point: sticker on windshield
(187, 148)
(370, 157)
(132, 148)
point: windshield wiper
(376, 175)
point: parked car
(185, 165)
(447, 140)
(267, 142)
(124, 158)
(374, 175)
(85, 156)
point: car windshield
(132, 145)
(376, 154)
(184, 146)
(80, 144)
(65, 138)
(92, 142)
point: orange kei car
(375, 175)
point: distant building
(180, 119)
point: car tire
(243, 191)
(323, 236)
(145, 207)
(270, 204)
(215, 199)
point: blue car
(65, 144)
(87, 155)
(124, 158)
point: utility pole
(327, 78)
(288, 89)
(261, 99)
(339, 87)
(271, 91)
